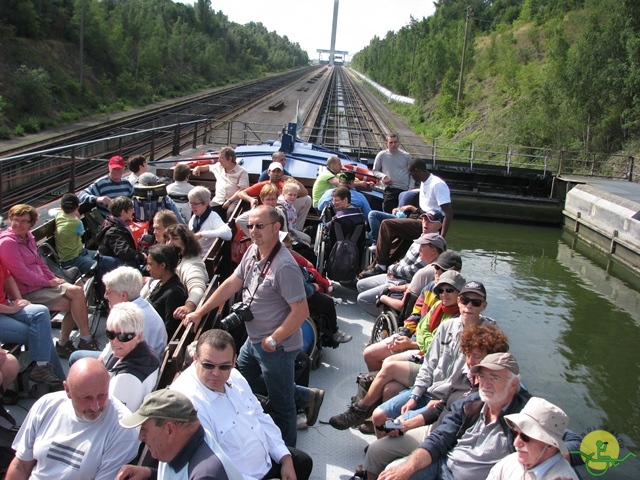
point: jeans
(31, 326)
(84, 262)
(393, 406)
(278, 371)
(375, 219)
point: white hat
(274, 166)
(541, 420)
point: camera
(238, 314)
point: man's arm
(287, 472)
(448, 218)
(418, 460)
(223, 293)
(20, 469)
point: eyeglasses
(123, 337)
(225, 367)
(195, 204)
(476, 302)
(259, 226)
(438, 291)
(523, 436)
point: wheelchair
(389, 321)
(333, 226)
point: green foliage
(32, 91)
(141, 51)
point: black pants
(302, 464)
(390, 199)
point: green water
(574, 327)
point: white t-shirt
(433, 193)
(66, 447)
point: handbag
(48, 254)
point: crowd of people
(446, 400)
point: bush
(32, 93)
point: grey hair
(200, 194)
(126, 317)
(124, 279)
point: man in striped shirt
(103, 190)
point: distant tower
(333, 32)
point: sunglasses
(225, 367)
(123, 337)
(259, 226)
(476, 302)
(523, 436)
(438, 291)
(438, 268)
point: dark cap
(116, 162)
(69, 200)
(435, 216)
(449, 260)
(432, 239)
(166, 404)
(475, 287)
(498, 361)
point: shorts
(47, 296)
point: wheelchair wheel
(94, 304)
(321, 249)
(310, 342)
(385, 325)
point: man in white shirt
(231, 413)
(74, 434)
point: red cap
(116, 162)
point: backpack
(344, 260)
(364, 381)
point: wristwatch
(272, 341)
(415, 397)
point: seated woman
(132, 364)
(117, 246)
(375, 353)
(29, 325)
(268, 196)
(191, 270)
(399, 371)
(161, 220)
(165, 291)
(37, 284)
(205, 223)
(475, 343)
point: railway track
(41, 171)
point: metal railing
(57, 170)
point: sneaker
(352, 417)
(44, 374)
(89, 345)
(7, 422)
(371, 272)
(301, 420)
(64, 350)
(316, 396)
(341, 337)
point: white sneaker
(301, 421)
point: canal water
(573, 326)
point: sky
(309, 22)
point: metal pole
(72, 182)
(464, 54)
(81, 43)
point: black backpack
(344, 260)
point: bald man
(75, 434)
